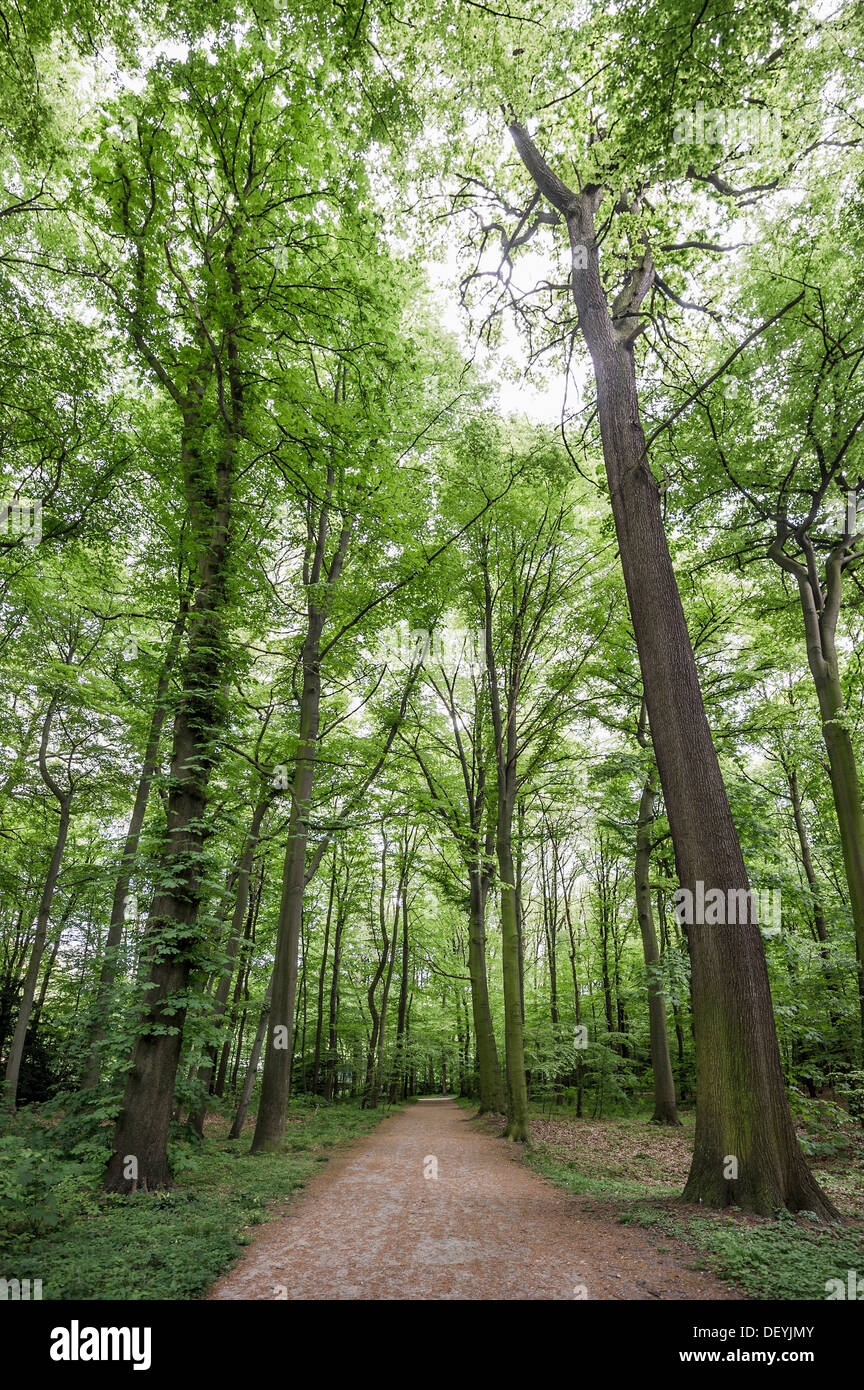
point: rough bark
(117, 922)
(140, 1157)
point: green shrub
(790, 1258)
(86, 1244)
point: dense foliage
(329, 716)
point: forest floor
(57, 1225)
(431, 1205)
(591, 1203)
(631, 1172)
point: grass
(172, 1245)
(790, 1258)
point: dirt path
(370, 1225)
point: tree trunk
(28, 993)
(46, 976)
(140, 1157)
(232, 948)
(333, 1012)
(517, 1090)
(807, 859)
(241, 985)
(252, 1069)
(375, 1015)
(276, 1083)
(397, 1087)
(820, 608)
(665, 1108)
(117, 922)
(382, 1027)
(845, 787)
(31, 978)
(743, 1112)
(322, 979)
(491, 1082)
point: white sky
(540, 404)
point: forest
(431, 526)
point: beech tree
(426, 436)
(627, 193)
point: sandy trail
(371, 1225)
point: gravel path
(376, 1223)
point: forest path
(370, 1225)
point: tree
(738, 1065)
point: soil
(378, 1223)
